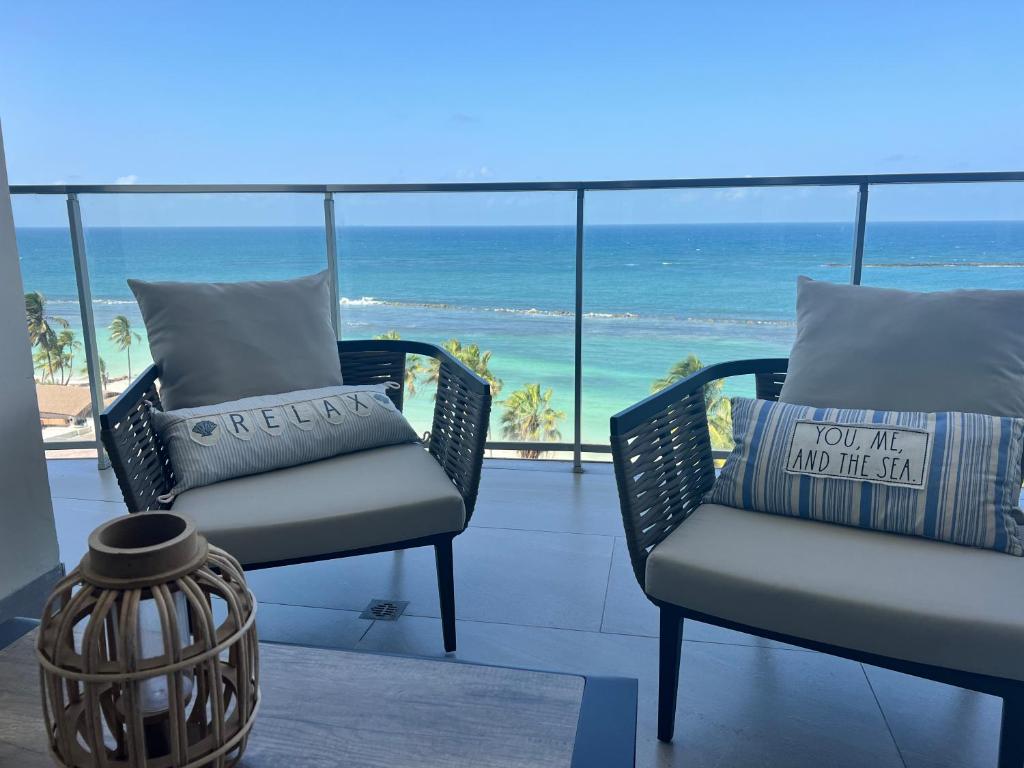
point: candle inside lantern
(154, 692)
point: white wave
(102, 302)
(363, 301)
(537, 312)
(755, 321)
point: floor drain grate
(384, 610)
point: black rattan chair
(664, 465)
(456, 441)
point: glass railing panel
(207, 237)
(494, 270)
(710, 274)
(931, 237)
(54, 323)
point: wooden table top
(332, 708)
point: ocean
(652, 294)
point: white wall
(28, 540)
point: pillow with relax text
(259, 434)
(948, 476)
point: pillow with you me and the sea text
(212, 443)
(948, 476)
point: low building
(62, 405)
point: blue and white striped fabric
(970, 475)
(211, 443)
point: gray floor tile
(80, 479)
(936, 725)
(548, 501)
(310, 626)
(519, 577)
(75, 519)
(514, 645)
(738, 706)
(749, 706)
(547, 465)
(349, 584)
(627, 609)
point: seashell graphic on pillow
(204, 428)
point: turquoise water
(652, 294)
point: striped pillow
(211, 443)
(949, 476)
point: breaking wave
(372, 301)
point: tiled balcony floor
(543, 581)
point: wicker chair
(448, 472)
(753, 572)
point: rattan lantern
(148, 651)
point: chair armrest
(462, 405)
(662, 454)
(136, 452)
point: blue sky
(403, 91)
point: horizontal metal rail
(516, 445)
(852, 180)
(860, 182)
(70, 445)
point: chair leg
(1011, 732)
(446, 591)
(670, 650)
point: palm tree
(529, 417)
(67, 345)
(122, 335)
(104, 376)
(41, 331)
(42, 361)
(472, 358)
(414, 366)
(718, 406)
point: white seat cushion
(358, 500)
(897, 596)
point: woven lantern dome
(148, 651)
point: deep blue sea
(652, 294)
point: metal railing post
(92, 355)
(332, 261)
(859, 225)
(577, 441)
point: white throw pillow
(216, 342)
(890, 350)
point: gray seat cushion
(900, 597)
(216, 342)
(890, 350)
(359, 500)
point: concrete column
(29, 560)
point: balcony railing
(861, 183)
